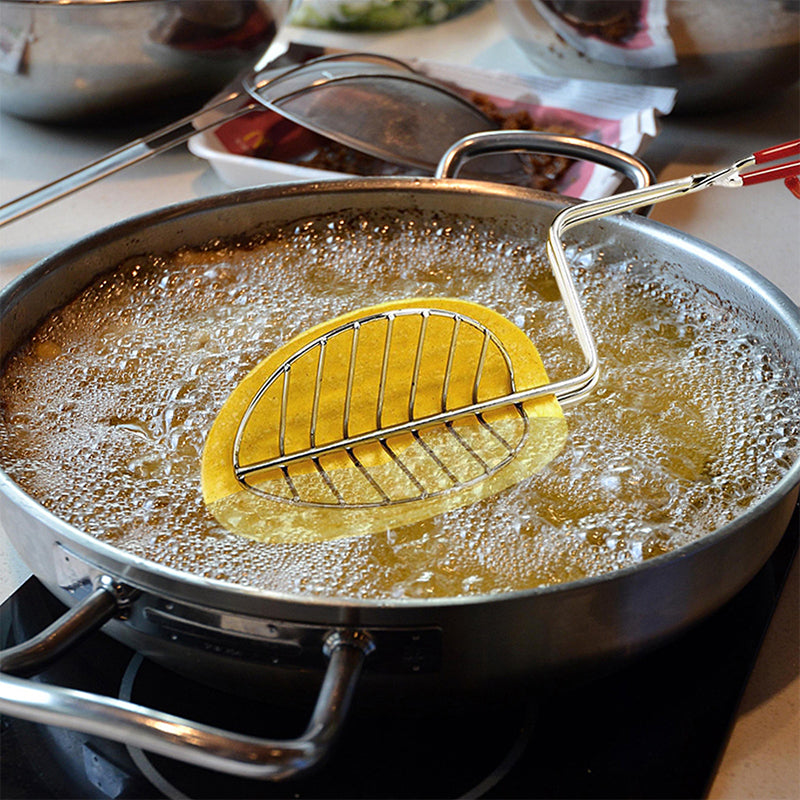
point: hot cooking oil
(105, 411)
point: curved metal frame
(167, 734)
(381, 433)
(403, 74)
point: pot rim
(145, 574)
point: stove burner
(377, 757)
(618, 735)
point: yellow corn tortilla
(448, 463)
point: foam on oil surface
(105, 412)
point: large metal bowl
(726, 53)
(71, 60)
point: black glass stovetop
(654, 728)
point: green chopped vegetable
(376, 15)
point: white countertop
(759, 225)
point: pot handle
(166, 734)
(488, 142)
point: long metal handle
(167, 734)
(132, 153)
(732, 177)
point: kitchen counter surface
(759, 226)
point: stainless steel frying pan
(397, 651)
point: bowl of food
(74, 60)
(377, 15)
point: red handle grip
(787, 172)
(771, 173)
(778, 151)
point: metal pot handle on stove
(491, 142)
(167, 734)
